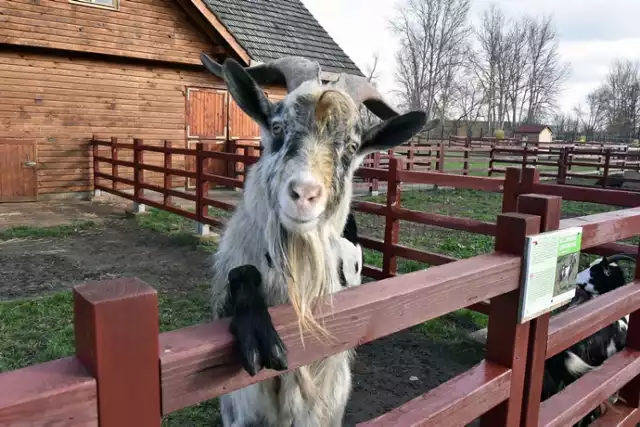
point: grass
(179, 229)
(38, 329)
(55, 231)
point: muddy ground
(387, 372)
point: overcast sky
(592, 33)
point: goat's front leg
(257, 341)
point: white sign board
(549, 272)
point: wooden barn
(70, 69)
(533, 133)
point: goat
(603, 275)
(282, 243)
(612, 181)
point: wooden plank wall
(60, 102)
(147, 29)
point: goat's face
(601, 277)
(313, 141)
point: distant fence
(125, 374)
(395, 176)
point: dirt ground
(387, 372)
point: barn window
(109, 4)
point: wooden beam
(222, 30)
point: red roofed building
(533, 133)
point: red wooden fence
(125, 374)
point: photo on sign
(566, 273)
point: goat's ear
(394, 131)
(246, 92)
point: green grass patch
(37, 330)
(180, 229)
(54, 231)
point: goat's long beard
(304, 263)
(308, 280)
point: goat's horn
(622, 257)
(362, 91)
(289, 71)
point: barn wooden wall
(147, 29)
(61, 102)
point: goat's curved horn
(362, 91)
(622, 257)
(289, 71)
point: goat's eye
(276, 128)
(351, 147)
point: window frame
(91, 3)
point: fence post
(202, 190)
(138, 177)
(114, 167)
(507, 340)
(411, 154)
(441, 158)
(511, 189)
(562, 166)
(116, 334)
(548, 208)
(524, 156)
(96, 167)
(374, 188)
(607, 160)
(491, 156)
(467, 148)
(392, 224)
(631, 391)
(168, 164)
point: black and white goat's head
(313, 140)
(603, 275)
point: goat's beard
(306, 268)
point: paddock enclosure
(125, 373)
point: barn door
(207, 123)
(18, 176)
(244, 132)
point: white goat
(282, 243)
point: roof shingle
(530, 128)
(271, 29)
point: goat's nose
(306, 191)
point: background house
(70, 69)
(533, 133)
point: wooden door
(207, 123)
(243, 132)
(18, 173)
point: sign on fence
(551, 263)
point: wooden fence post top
(117, 340)
(512, 228)
(111, 290)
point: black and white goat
(602, 276)
(283, 243)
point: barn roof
(270, 29)
(531, 128)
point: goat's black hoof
(258, 343)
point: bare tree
(621, 94)
(487, 62)
(592, 118)
(546, 72)
(368, 118)
(468, 98)
(431, 33)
